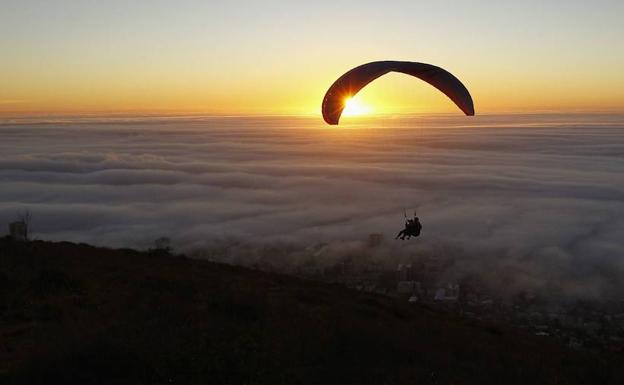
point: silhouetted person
(412, 229)
(403, 232)
(416, 227)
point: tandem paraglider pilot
(412, 229)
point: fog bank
(525, 201)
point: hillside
(77, 314)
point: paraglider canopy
(354, 80)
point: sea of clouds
(526, 201)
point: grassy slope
(78, 314)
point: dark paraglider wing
(354, 80)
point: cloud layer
(526, 200)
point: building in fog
(452, 292)
(408, 287)
(405, 272)
(448, 293)
(19, 230)
(440, 294)
(375, 240)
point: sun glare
(354, 107)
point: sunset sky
(279, 57)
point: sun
(354, 107)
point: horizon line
(112, 117)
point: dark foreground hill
(76, 314)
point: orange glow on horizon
(220, 58)
(285, 92)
